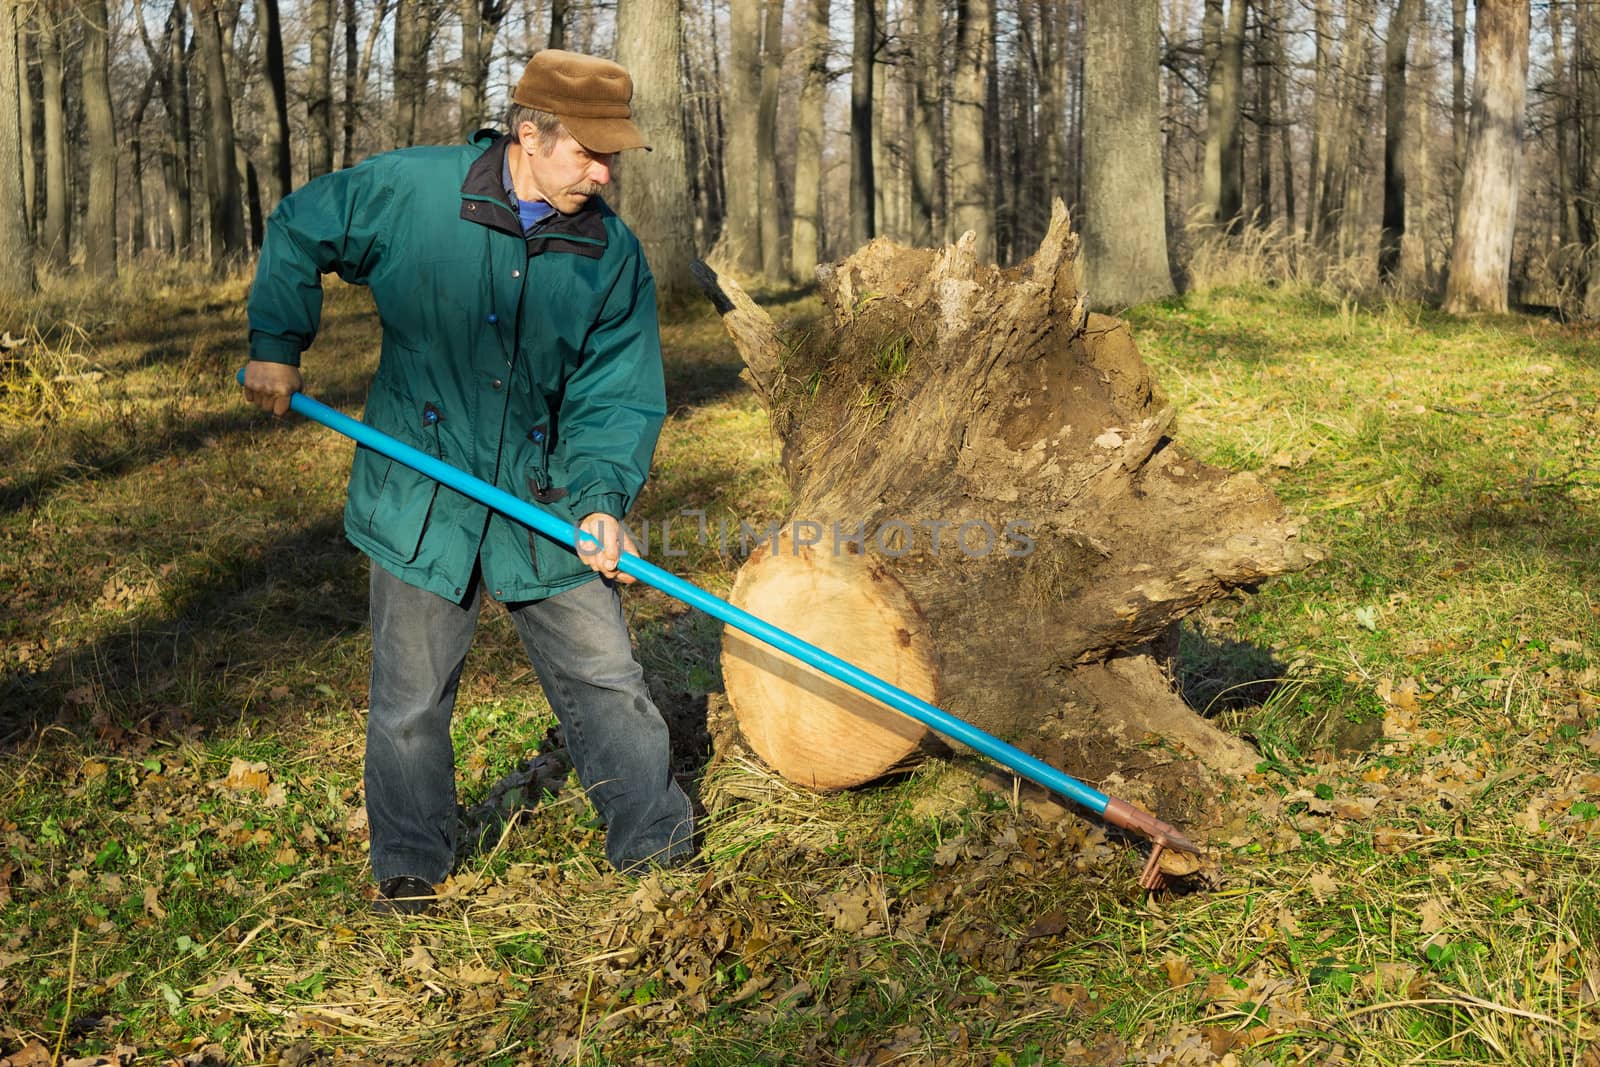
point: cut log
(989, 511)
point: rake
(1162, 836)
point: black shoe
(403, 895)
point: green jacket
(532, 362)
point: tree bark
(1458, 88)
(275, 124)
(771, 214)
(222, 174)
(175, 86)
(410, 69)
(480, 23)
(742, 228)
(140, 224)
(806, 226)
(1230, 189)
(1586, 187)
(1124, 224)
(319, 88)
(16, 236)
(558, 24)
(654, 186)
(1261, 62)
(55, 240)
(25, 105)
(347, 112)
(927, 123)
(863, 192)
(1480, 259)
(1216, 106)
(1395, 148)
(100, 233)
(1285, 127)
(988, 512)
(970, 205)
(1321, 115)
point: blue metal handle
(566, 534)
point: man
(520, 344)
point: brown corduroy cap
(588, 94)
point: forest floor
(1408, 877)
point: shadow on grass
(206, 656)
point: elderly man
(520, 344)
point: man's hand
(614, 540)
(270, 385)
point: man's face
(566, 173)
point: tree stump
(988, 512)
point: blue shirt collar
(532, 212)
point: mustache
(585, 189)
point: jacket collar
(484, 200)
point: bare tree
(654, 188)
(1124, 220)
(275, 125)
(742, 228)
(927, 125)
(410, 68)
(1586, 192)
(16, 266)
(347, 112)
(55, 238)
(1395, 149)
(806, 226)
(1458, 86)
(25, 102)
(863, 55)
(319, 88)
(1480, 259)
(222, 172)
(100, 233)
(480, 22)
(970, 206)
(767, 142)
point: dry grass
(181, 710)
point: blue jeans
(578, 643)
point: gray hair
(549, 127)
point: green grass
(1407, 877)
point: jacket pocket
(392, 503)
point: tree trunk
(1586, 192)
(480, 22)
(1261, 58)
(222, 173)
(1052, 104)
(1230, 192)
(1343, 144)
(772, 265)
(25, 102)
(180, 198)
(806, 226)
(1321, 112)
(55, 240)
(1394, 138)
(558, 24)
(1480, 259)
(1458, 88)
(863, 192)
(16, 237)
(1216, 106)
(654, 186)
(742, 229)
(275, 124)
(100, 127)
(988, 512)
(1561, 90)
(139, 235)
(410, 69)
(1124, 224)
(319, 88)
(1284, 126)
(970, 206)
(927, 122)
(347, 112)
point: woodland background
(1359, 135)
